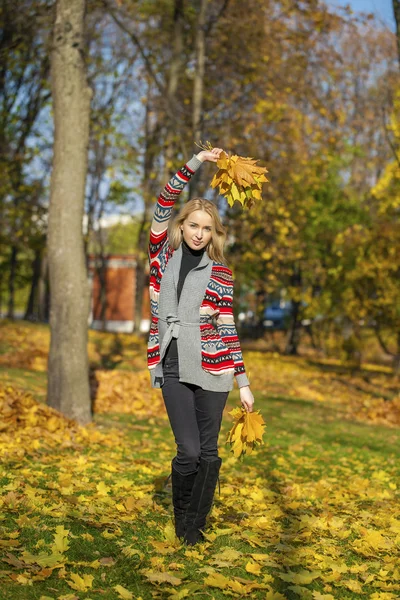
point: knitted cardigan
(209, 356)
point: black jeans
(195, 416)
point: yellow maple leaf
(271, 595)
(163, 577)
(217, 580)
(302, 577)
(60, 539)
(81, 584)
(253, 567)
(102, 489)
(123, 592)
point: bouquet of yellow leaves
(247, 431)
(238, 178)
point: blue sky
(381, 8)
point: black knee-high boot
(201, 500)
(182, 486)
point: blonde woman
(194, 353)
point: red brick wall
(120, 289)
(120, 296)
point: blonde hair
(215, 247)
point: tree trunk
(293, 335)
(147, 186)
(175, 69)
(396, 358)
(31, 312)
(11, 282)
(43, 291)
(68, 380)
(396, 10)
(102, 275)
(198, 84)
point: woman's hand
(246, 398)
(210, 155)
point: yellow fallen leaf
(163, 577)
(217, 580)
(60, 543)
(302, 592)
(353, 585)
(317, 596)
(253, 567)
(130, 503)
(123, 592)
(102, 489)
(81, 584)
(271, 595)
(228, 554)
(301, 577)
(169, 532)
(43, 559)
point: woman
(193, 352)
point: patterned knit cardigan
(220, 347)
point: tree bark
(43, 290)
(198, 84)
(294, 331)
(11, 282)
(172, 88)
(32, 309)
(68, 380)
(147, 187)
(396, 10)
(293, 336)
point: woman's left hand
(246, 398)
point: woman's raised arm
(174, 188)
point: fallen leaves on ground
(313, 513)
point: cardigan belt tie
(174, 326)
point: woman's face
(197, 229)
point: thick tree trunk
(68, 384)
(11, 282)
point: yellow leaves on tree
(246, 432)
(239, 179)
